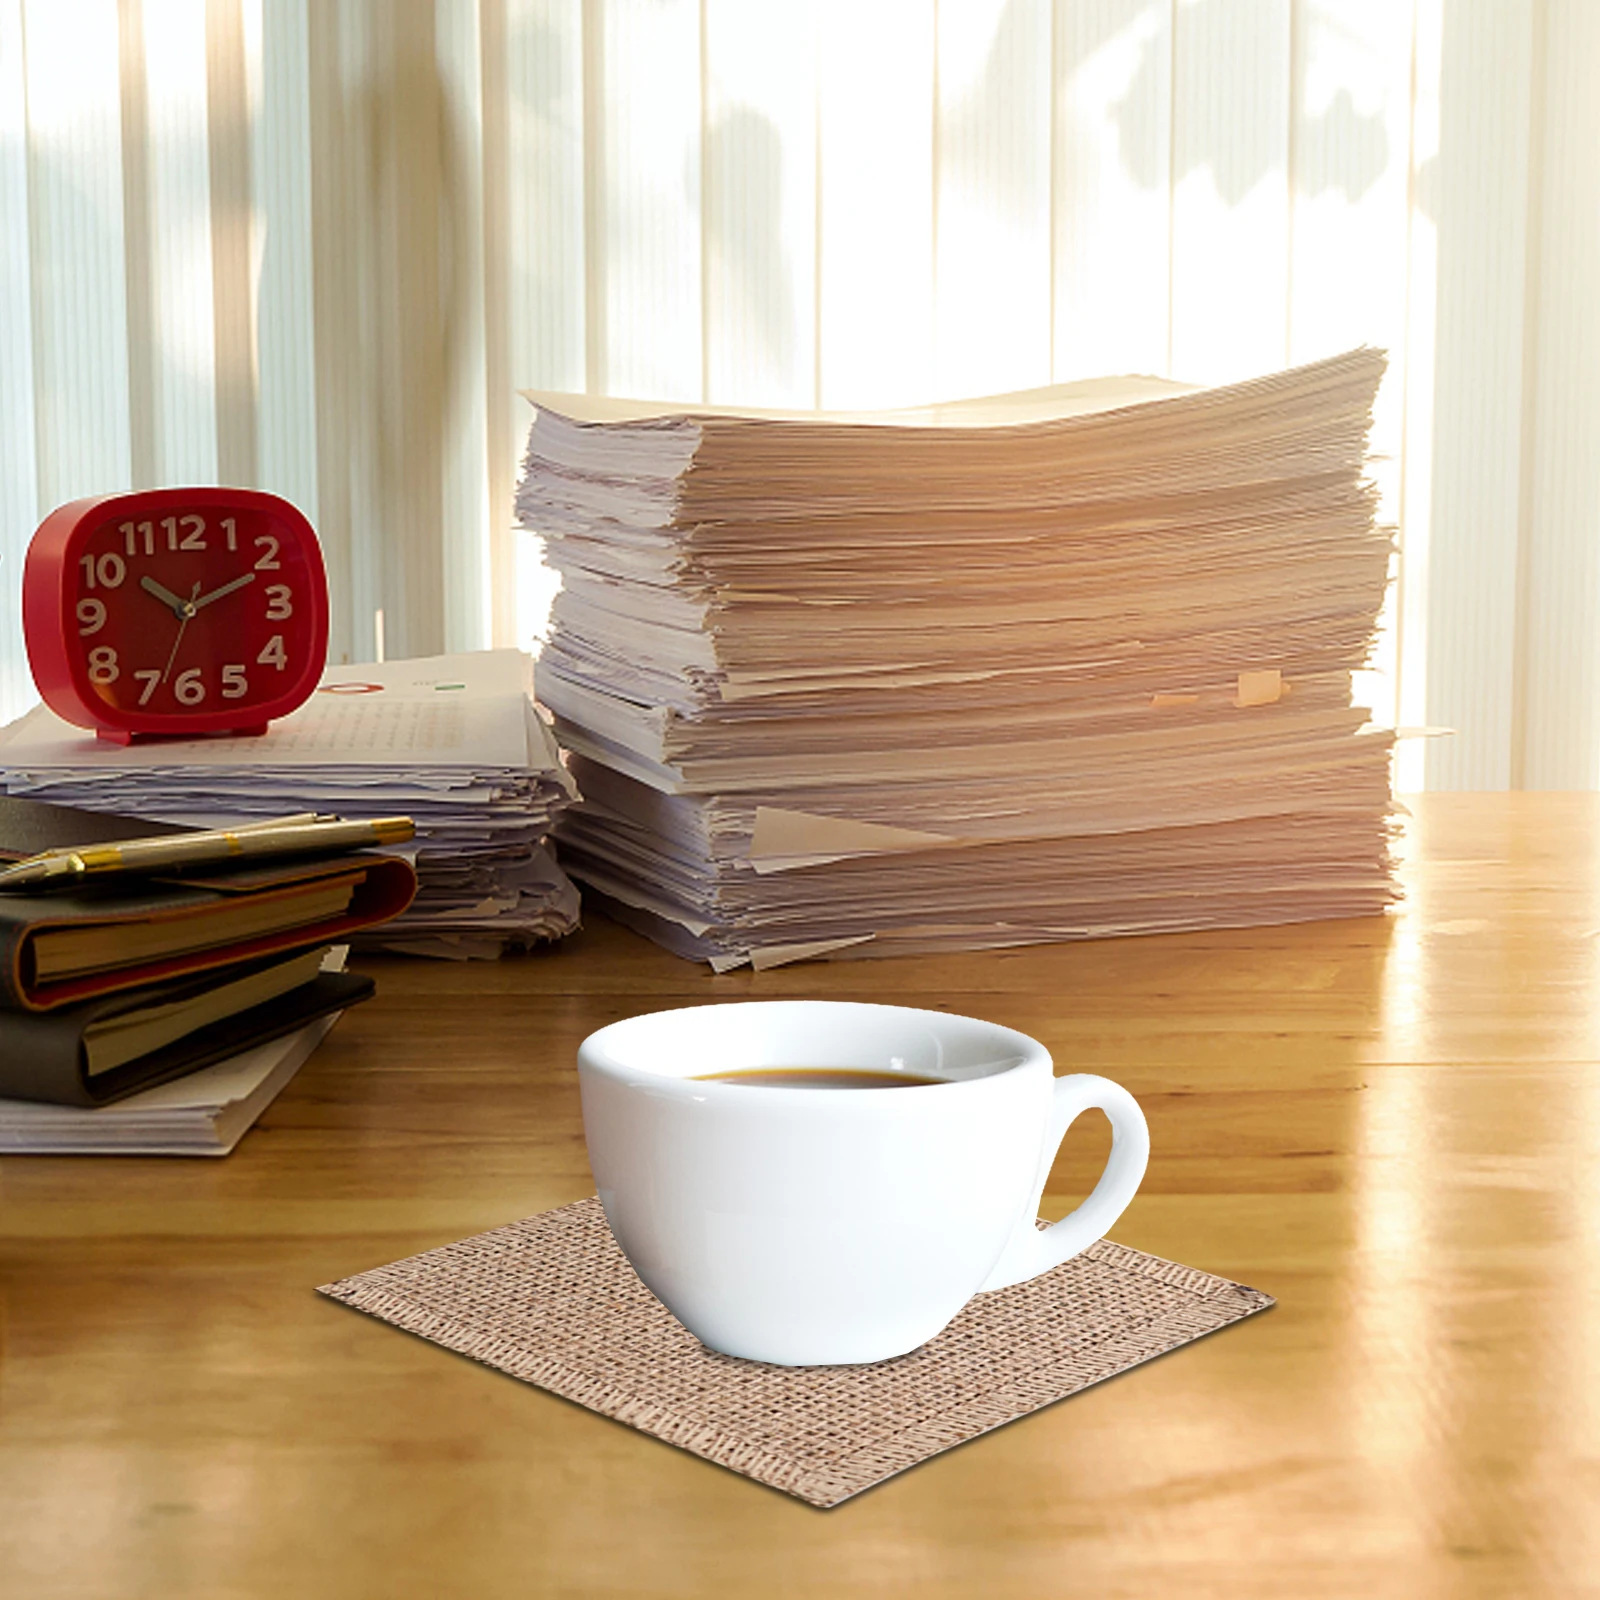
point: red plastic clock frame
(49, 629)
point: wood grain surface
(1391, 1125)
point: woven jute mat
(553, 1301)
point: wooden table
(1393, 1126)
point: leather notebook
(47, 1056)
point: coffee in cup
(815, 1078)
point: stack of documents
(1052, 665)
(453, 742)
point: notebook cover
(30, 827)
(42, 1057)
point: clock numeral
(103, 666)
(273, 654)
(91, 617)
(105, 572)
(230, 531)
(188, 688)
(268, 562)
(192, 538)
(131, 534)
(150, 677)
(279, 603)
(234, 683)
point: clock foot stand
(121, 736)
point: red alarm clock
(175, 612)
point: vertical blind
(317, 246)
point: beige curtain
(317, 245)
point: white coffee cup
(813, 1226)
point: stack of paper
(1053, 665)
(453, 742)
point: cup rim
(595, 1053)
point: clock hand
(165, 595)
(227, 588)
(184, 615)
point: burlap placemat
(553, 1301)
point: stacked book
(1049, 666)
(453, 742)
(203, 1113)
(114, 982)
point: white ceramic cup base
(809, 1227)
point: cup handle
(1032, 1250)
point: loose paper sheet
(784, 838)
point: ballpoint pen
(285, 836)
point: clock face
(204, 611)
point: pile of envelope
(453, 742)
(1053, 665)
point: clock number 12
(193, 534)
